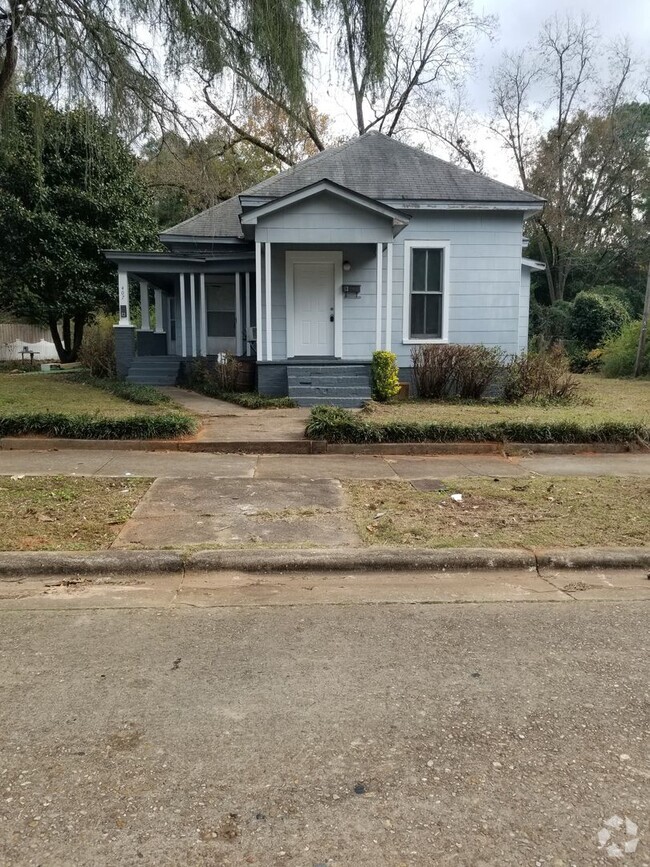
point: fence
(16, 337)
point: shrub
(476, 367)
(433, 367)
(221, 375)
(144, 395)
(542, 375)
(595, 318)
(385, 375)
(552, 322)
(97, 351)
(250, 399)
(619, 352)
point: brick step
(346, 402)
(329, 391)
(329, 381)
(328, 370)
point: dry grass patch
(59, 513)
(508, 513)
(598, 400)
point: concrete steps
(345, 385)
(154, 370)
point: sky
(519, 22)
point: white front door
(313, 292)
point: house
(369, 245)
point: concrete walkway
(229, 423)
(175, 464)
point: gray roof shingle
(375, 166)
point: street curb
(317, 447)
(25, 564)
(14, 565)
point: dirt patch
(538, 512)
(64, 513)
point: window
(426, 293)
(425, 298)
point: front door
(313, 292)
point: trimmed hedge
(341, 426)
(87, 427)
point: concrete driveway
(473, 735)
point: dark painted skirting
(124, 348)
(151, 343)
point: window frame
(425, 244)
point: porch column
(238, 316)
(195, 342)
(267, 287)
(158, 305)
(380, 269)
(183, 318)
(389, 296)
(123, 295)
(145, 324)
(204, 317)
(258, 301)
(248, 312)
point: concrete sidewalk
(119, 462)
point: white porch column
(380, 269)
(123, 296)
(238, 316)
(267, 287)
(203, 331)
(258, 301)
(389, 296)
(158, 306)
(195, 342)
(248, 312)
(183, 318)
(145, 324)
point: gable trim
(398, 217)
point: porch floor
(224, 422)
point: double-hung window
(425, 291)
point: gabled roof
(268, 206)
(374, 166)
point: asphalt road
(378, 734)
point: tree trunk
(67, 342)
(8, 67)
(640, 352)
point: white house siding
(484, 277)
(524, 309)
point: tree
(93, 50)
(188, 176)
(391, 65)
(592, 165)
(68, 189)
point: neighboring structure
(369, 245)
(21, 342)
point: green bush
(97, 352)
(551, 323)
(341, 426)
(541, 375)
(385, 375)
(221, 375)
(619, 352)
(248, 399)
(87, 427)
(595, 318)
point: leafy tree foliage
(596, 317)
(68, 189)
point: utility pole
(640, 353)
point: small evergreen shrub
(619, 352)
(90, 427)
(385, 375)
(595, 318)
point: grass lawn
(61, 405)
(61, 513)
(59, 392)
(504, 513)
(598, 400)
